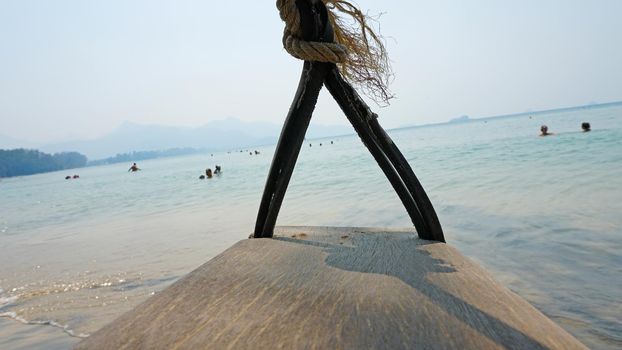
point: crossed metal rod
(316, 27)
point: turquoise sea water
(542, 213)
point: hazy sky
(78, 69)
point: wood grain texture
(335, 288)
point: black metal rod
(289, 145)
(343, 93)
(435, 231)
(315, 27)
(430, 229)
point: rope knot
(302, 49)
(357, 50)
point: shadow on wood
(343, 288)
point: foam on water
(51, 323)
(53, 302)
(5, 301)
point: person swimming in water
(217, 170)
(208, 173)
(585, 126)
(544, 131)
(134, 168)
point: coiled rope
(358, 51)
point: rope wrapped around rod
(358, 51)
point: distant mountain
(144, 155)
(224, 134)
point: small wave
(5, 301)
(29, 292)
(52, 323)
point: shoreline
(15, 334)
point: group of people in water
(544, 130)
(209, 173)
(256, 152)
(134, 168)
(311, 145)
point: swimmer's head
(586, 126)
(544, 129)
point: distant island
(466, 118)
(462, 119)
(20, 162)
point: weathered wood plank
(344, 288)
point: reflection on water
(541, 213)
